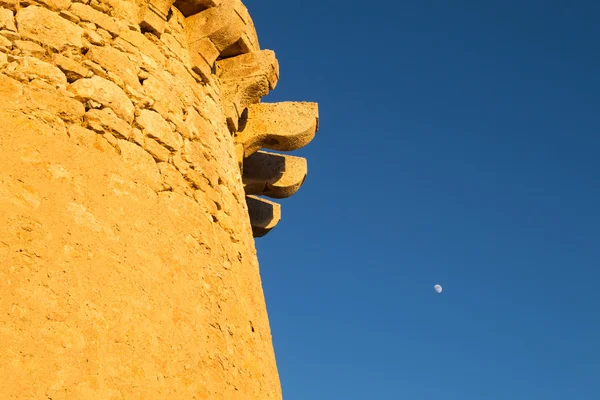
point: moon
(438, 288)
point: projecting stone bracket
(215, 29)
(153, 17)
(284, 126)
(219, 32)
(223, 45)
(191, 7)
(264, 215)
(274, 175)
(245, 79)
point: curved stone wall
(131, 176)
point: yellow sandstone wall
(131, 184)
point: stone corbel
(264, 215)
(153, 17)
(249, 40)
(284, 126)
(245, 79)
(191, 7)
(222, 31)
(273, 175)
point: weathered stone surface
(160, 88)
(106, 120)
(47, 27)
(264, 215)
(261, 64)
(156, 150)
(162, 7)
(121, 199)
(5, 44)
(121, 70)
(142, 44)
(29, 48)
(249, 41)
(245, 80)
(172, 180)
(105, 93)
(154, 126)
(70, 16)
(28, 68)
(223, 25)
(10, 35)
(7, 20)
(191, 7)
(153, 18)
(281, 126)
(94, 37)
(56, 5)
(87, 13)
(38, 102)
(70, 68)
(141, 163)
(203, 54)
(224, 30)
(273, 175)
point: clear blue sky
(459, 144)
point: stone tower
(132, 183)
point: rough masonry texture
(135, 157)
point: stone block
(262, 64)
(56, 5)
(29, 48)
(142, 44)
(153, 20)
(264, 215)
(222, 25)
(156, 150)
(117, 64)
(191, 7)
(7, 20)
(203, 54)
(105, 93)
(155, 127)
(47, 27)
(284, 126)
(89, 14)
(72, 69)
(141, 163)
(28, 68)
(70, 17)
(106, 120)
(273, 175)
(34, 100)
(245, 80)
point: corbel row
(284, 126)
(223, 44)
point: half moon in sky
(438, 288)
